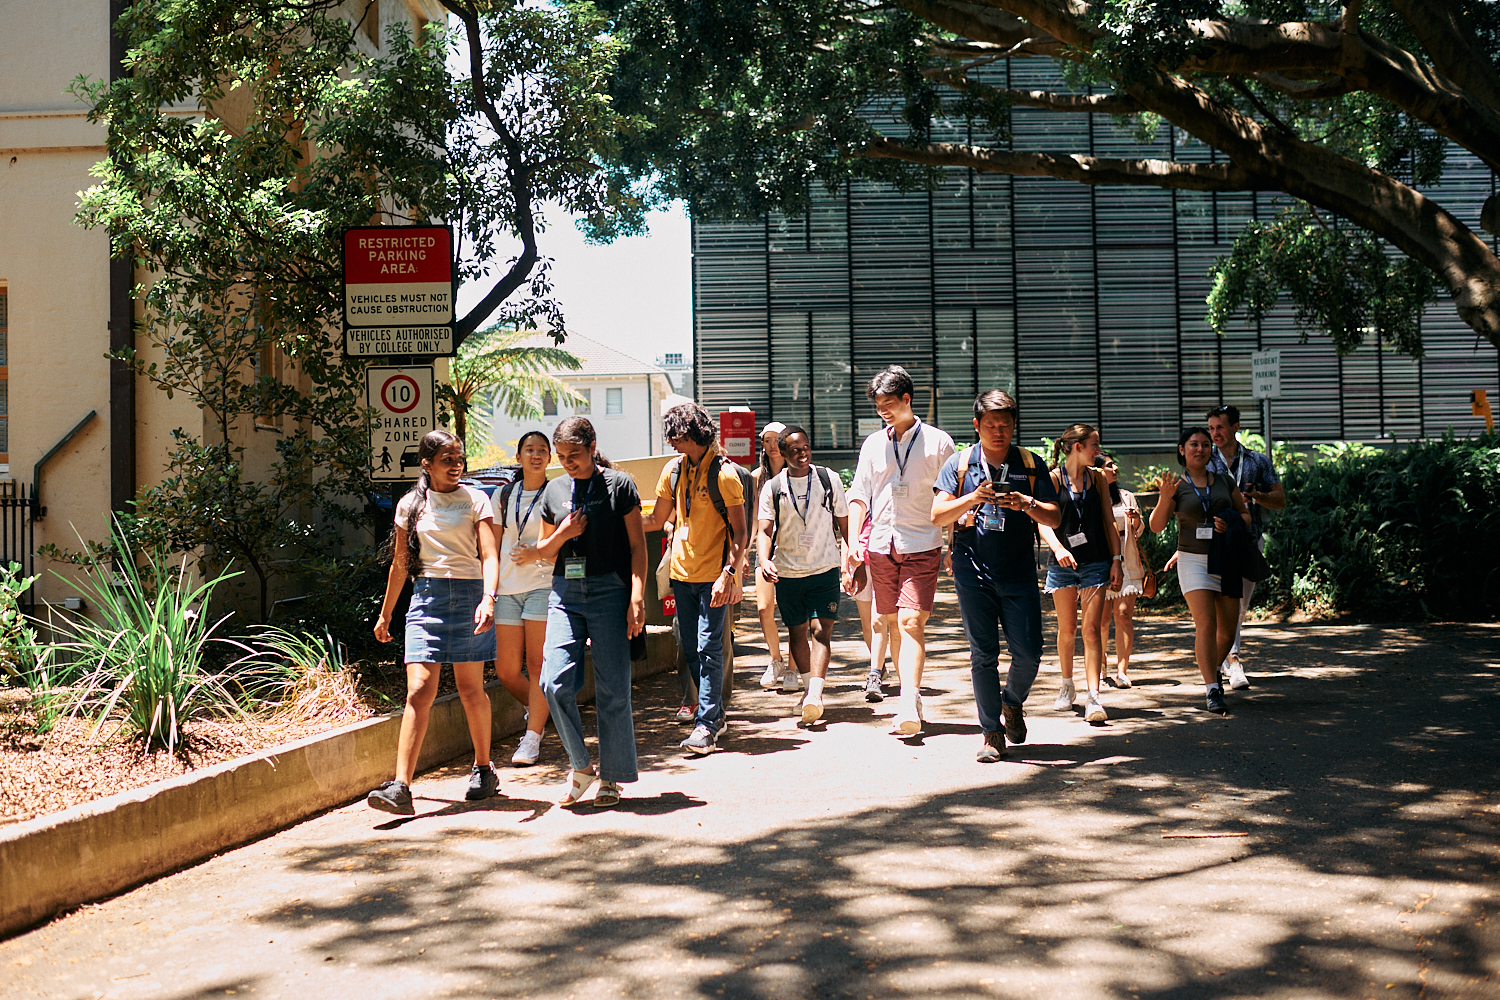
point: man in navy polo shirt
(994, 493)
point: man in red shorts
(893, 482)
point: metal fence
(18, 534)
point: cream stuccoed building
(64, 303)
(622, 399)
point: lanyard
(692, 481)
(588, 498)
(901, 460)
(806, 499)
(1204, 498)
(1239, 462)
(983, 472)
(521, 521)
(1076, 498)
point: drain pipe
(121, 332)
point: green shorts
(801, 598)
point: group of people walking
(529, 576)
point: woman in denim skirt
(1085, 557)
(525, 583)
(444, 544)
(591, 527)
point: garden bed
(42, 774)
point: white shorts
(1193, 574)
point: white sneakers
(529, 751)
(791, 681)
(812, 707)
(775, 671)
(1065, 696)
(1092, 710)
(1237, 679)
(908, 720)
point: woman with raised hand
(444, 543)
(771, 464)
(1085, 558)
(525, 583)
(1119, 604)
(592, 531)
(1202, 501)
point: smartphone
(1001, 485)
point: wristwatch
(1031, 503)
(492, 594)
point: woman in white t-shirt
(525, 582)
(444, 545)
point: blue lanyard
(901, 460)
(1075, 497)
(521, 521)
(806, 500)
(1205, 498)
(588, 498)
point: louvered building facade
(1087, 303)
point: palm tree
(494, 364)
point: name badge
(805, 540)
(1074, 541)
(574, 567)
(994, 523)
(1205, 532)
(900, 491)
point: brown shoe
(1015, 723)
(993, 749)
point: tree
(1347, 109)
(495, 365)
(234, 214)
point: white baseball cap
(774, 427)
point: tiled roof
(597, 358)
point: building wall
(1087, 303)
(636, 433)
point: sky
(634, 295)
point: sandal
(607, 796)
(578, 785)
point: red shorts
(904, 579)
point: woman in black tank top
(1201, 501)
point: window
(614, 402)
(4, 377)
(673, 359)
(549, 405)
(586, 405)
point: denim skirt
(440, 622)
(1084, 577)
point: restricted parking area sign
(406, 404)
(398, 291)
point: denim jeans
(986, 609)
(591, 610)
(702, 631)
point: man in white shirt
(803, 518)
(893, 482)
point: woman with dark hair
(1119, 603)
(771, 464)
(444, 544)
(1085, 557)
(1202, 501)
(591, 530)
(525, 583)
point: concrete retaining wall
(103, 847)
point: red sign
(398, 290)
(737, 432)
(669, 605)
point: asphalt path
(1336, 836)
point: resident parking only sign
(398, 291)
(1265, 374)
(404, 400)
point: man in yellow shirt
(708, 551)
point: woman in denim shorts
(1085, 557)
(525, 582)
(443, 543)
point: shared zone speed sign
(405, 403)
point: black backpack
(747, 490)
(824, 478)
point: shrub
(1402, 533)
(145, 656)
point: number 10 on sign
(404, 403)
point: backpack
(1029, 461)
(746, 490)
(825, 480)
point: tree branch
(1304, 90)
(518, 175)
(1452, 47)
(1084, 169)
